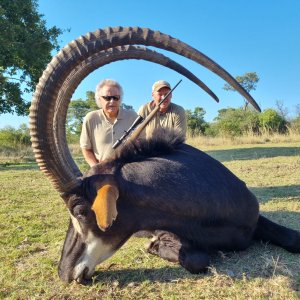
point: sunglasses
(108, 98)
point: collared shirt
(98, 134)
(173, 118)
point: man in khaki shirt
(170, 115)
(103, 127)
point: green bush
(271, 122)
(233, 122)
(11, 137)
(295, 125)
(196, 124)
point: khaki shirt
(98, 134)
(173, 118)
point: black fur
(196, 201)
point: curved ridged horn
(117, 36)
(64, 160)
(86, 67)
(47, 133)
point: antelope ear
(105, 206)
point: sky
(261, 36)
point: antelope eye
(81, 212)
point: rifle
(142, 121)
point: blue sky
(261, 36)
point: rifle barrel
(143, 121)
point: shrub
(11, 137)
(196, 124)
(295, 125)
(233, 122)
(272, 122)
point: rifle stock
(142, 126)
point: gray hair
(107, 82)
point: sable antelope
(155, 185)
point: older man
(170, 115)
(101, 128)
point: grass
(33, 221)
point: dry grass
(33, 221)
(205, 143)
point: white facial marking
(96, 251)
(76, 225)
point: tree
(297, 108)
(26, 46)
(248, 81)
(295, 124)
(283, 111)
(271, 121)
(76, 112)
(236, 122)
(195, 121)
(11, 137)
(125, 106)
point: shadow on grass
(138, 276)
(32, 165)
(253, 153)
(264, 194)
(18, 166)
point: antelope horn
(112, 37)
(61, 169)
(51, 98)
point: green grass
(33, 221)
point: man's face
(159, 95)
(110, 106)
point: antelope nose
(83, 277)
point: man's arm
(89, 156)
(142, 111)
(86, 144)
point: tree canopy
(77, 110)
(26, 46)
(236, 122)
(248, 81)
(272, 121)
(195, 121)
